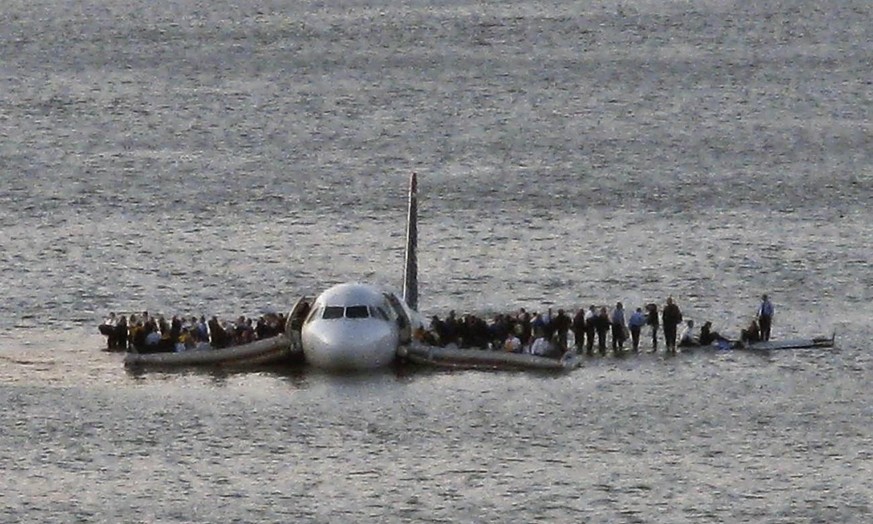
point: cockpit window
(333, 312)
(357, 312)
(377, 312)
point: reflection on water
(620, 436)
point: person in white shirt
(590, 329)
(687, 338)
(540, 347)
(153, 339)
(512, 344)
(107, 328)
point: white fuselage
(351, 327)
(358, 326)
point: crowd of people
(146, 333)
(545, 334)
(548, 333)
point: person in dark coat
(602, 325)
(139, 333)
(618, 327)
(751, 334)
(672, 317)
(561, 324)
(175, 329)
(579, 329)
(218, 336)
(526, 329)
(708, 336)
(121, 333)
(652, 320)
(548, 325)
(452, 327)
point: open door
(294, 323)
(403, 320)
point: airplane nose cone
(350, 344)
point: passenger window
(357, 312)
(333, 312)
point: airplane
(350, 326)
(357, 326)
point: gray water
(225, 158)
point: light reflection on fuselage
(351, 326)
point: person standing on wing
(671, 317)
(618, 327)
(590, 329)
(765, 317)
(636, 323)
(602, 324)
(579, 330)
(652, 320)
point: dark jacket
(652, 315)
(672, 315)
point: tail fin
(410, 276)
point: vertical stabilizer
(410, 274)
